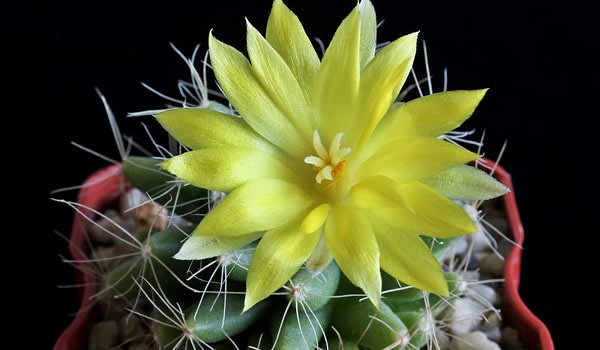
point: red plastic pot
(102, 189)
(99, 192)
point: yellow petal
(201, 247)
(335, 92)
(351, 241)
(412, 207)
(436, 210)
(223, 169)
(413, 158)
(315, 219)
(320, 256)
(377, 192)
(431, 115)
(382, 79)
(286, 35)
(237, 79)
(427, 212)
(368, 32)
(279, 82)
(258, 205)
(278, 256)
(200, 128)
(407, 258)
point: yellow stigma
(328, 165)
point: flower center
(328, 164)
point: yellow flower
(322, 164)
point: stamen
(321, 151)
(339, 155)
(324, 174)
(335, 144)
(316, 161)
(328, 164)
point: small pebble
(494, 319)
(486, 292)
(145, 215)
(473, 263)
(97, 234)
(460, 247)
(479, 241)
(471, 276)
(131, 327)
(473, 341)
(132, 198)
(443, 340)
(103, 336)
(491, 331)
(463, 317)
(510, 339)
(108, 228)
(492, 265)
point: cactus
(355, 253)
(201, 304)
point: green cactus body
(336, 344)
(361, 322)
(439, 246)
(154, 265)
(314, 292)
(236, 263)
(419, 325)
(300, 328)
(213, 319)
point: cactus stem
(173, 318)
(402, 337)
(298, 294)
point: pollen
(328, 164)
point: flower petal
(200, 128)
(204, 247)
(223, 169)
(237, 79)
(335, 92)
(350, 239)
(437, 210)
(257, 205)
(320, 256)
(382, 79)
(466, 183)
(407, 258)
(377, 192)
(315, 219)
(279, 82)
(431, 115)
(368, 32)
(286, 35)
(413, 158)
(278, 256)
(412, 207)
(427, 212)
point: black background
(537, 59)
